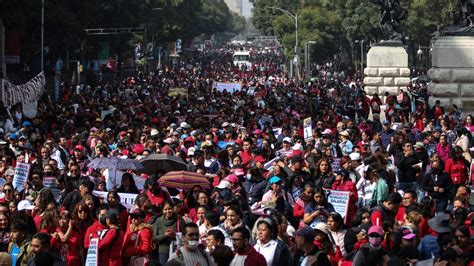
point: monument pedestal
(387, 69)
(452, 71)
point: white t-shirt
(267, 250)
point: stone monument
(452, 69)
(387, 61)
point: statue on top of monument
(391, 16)
(463, 18)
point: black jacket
(405, 165)
(322, 258)
(442, 180)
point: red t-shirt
(70, 250)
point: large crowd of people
(405, 166)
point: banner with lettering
(229, 87)
(92, 253)
(340, 201)
(22, 171)
(127, 199)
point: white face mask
(193, 244)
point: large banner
(31, 91)
(127, 199)
(229, 87)
(93, 253)
(21, 176)
(340, 201)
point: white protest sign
(269, 164)
(92, 253)
(50, 182)
(340, 201)
(111, 176)
(277, 131)
(307, 128)
(127, 199)
(21, 176)
(229, 87)
(336, 164)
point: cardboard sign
(22, 171)
(307, 128)
(115, 176)
(340, 201)
(92, 253)
(50, 182)
(126, 199)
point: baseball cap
(287, 139)
(259, 159)
(9, 172)
(25, 205)
(79, 147)
(407, 233)
(342, 172)
(376, 230)
(232, 178)
(306, 232)
(274, 179)
(224, 184)
(355, 156)
(386, 122)
(12, 136)
(139, 213)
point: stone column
(452, 72)
(387, 69)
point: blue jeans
(163, 259)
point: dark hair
(189, 225)
(412, 192)
(44, 239)
(140, 200)
(271, 224)
(236, 209)
(88, 184)
(338, 219)
(19, 225)
(213, 218)
(394, 198)
(43, 258)
(243, 231)
(222, 255)
(217, 234)
(464, 230)
(358, 217)
(99, 208)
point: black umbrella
(156, 162)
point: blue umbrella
(115, 163)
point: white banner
(92, 253)
(308, 129)
(50, 182)
(31, 91)
(229, 87)
(340, 201)
(21, 176)
(127, 199)
(116, 176)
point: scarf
(229, 228)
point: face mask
(102, 220)
(193, 244)
(375, 241)
(249, 177)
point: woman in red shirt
(343, 183)
(456, 167)
(110, 241)
(71, 249)
(137, 241)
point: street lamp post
(294, 17)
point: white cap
(224, 184)
(355, 156)
(191, 151)
(168, 141)
(322, 227)
(287, 139)
(25, 205)
(185, 125)
(225, 124)
(154, 132)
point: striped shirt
(193, 258)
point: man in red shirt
(245, 254)
(386, 210)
